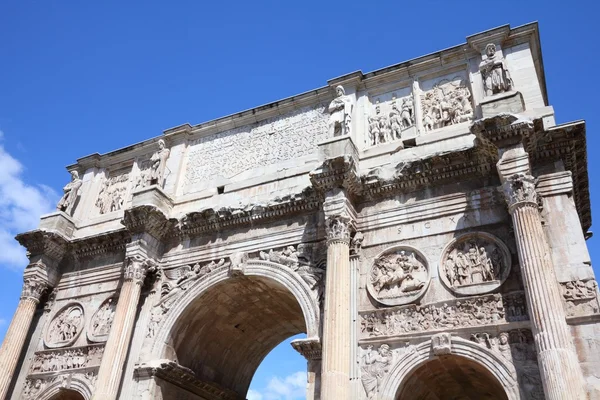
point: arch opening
(451, 378)
(65, 394)
(224, 333)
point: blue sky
(84, 77)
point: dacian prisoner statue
(422, 227)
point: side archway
(69, 388)
(491, 363)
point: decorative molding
(114, 241)
(309, 348)
(148, 219)
(337, 172)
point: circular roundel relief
(65, 327)
(399, 275)
(474, 263)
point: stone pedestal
(561, 375)
(335, 379)
(18, 330)
(117, 346)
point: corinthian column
(33, 288)
(335, 375)
(117, 345)
(561, 375)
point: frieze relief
(67, 359)
(388, 120)
(399, 275)
(101, 322)
(298, 260)
(581, 297)
(475, 263)
(447, 103)
(113, 193)
(468, 312)
(269, 142)
(375, 365)
(65, 327)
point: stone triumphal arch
(423, 225)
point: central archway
(222, 327)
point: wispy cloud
(21, 205)
(292, 387)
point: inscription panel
(229, 153)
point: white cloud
(253, 395)
(21, 205)
(292, 387)
(3, 321)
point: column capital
(519, 190)
(309, 348)
(33, 288)
(338, 229)
(137, 268)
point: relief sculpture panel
(391, 116)
(65, 327)
(446, 101)
(399, 275)
(114, 191)
(475, 263)
(268, 142)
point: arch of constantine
(424, 225)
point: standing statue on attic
(159, 164)
(71, 191)
(340, 110)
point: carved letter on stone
(495, 75)
(399, 275)
(340, 110)
(65, 327)
(474, 263)
(71, 191)
(101, 322)
(441, 344)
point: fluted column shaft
(117, 345)
(336, 363)
(557, 358)
(12, 346)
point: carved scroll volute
(519, 190)
(338, 229)
(137, 267)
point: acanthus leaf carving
(338, 228)
(137, 268)
(33, 288)
(519, 189)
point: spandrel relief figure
(65, 327)
(340, 110)
(494, 72)
(398, 277)
(71, 191)
(474, 260)
(447, 103)
(375, 366)
(294, 258)
(159, 164)
(101, 321)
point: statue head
(384, 349)
(490, 50)
(74, 175)
(503, 338)
(339, 90)
(161, 144)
